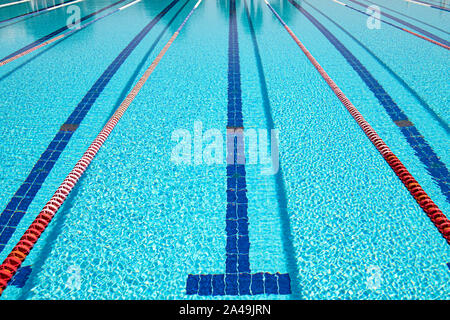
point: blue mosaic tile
(270, 283)
(257, 283)
(231, 284)
(205, 285)
(244, 282)
(284, 283)
(21, 276)
(218, 285)
(192, 284)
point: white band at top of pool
(130, 4)
(342, 4)
(63, 5)
(422, 4)
(197, 4)
(13, 3)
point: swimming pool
(163, 211)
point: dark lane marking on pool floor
(238, 279)
(17, 206)
(56, 32)
(410, 25)
(21, 276)
(436, 168)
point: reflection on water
(36, 5)
(33, 26)
(257, 8)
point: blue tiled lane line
(422, 149)
(18, 205)
(21, 276)
(238, 279)
(56, 32)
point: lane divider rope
(438, 218)
(18, 254)
(21, 54)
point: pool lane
(414, 93)
(431, 5)
(12, 3)
(163, 98)
(5, 25)
(142, 210)
(336, 257)
(19, 203)
(430, 37)
(21, 33)
(238, 279)
(436, 168)
(15, 10)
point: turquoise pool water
(335, 218)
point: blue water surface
(335, 217)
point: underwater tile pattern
(356, 232)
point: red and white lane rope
(441, 222)
(18, 254)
